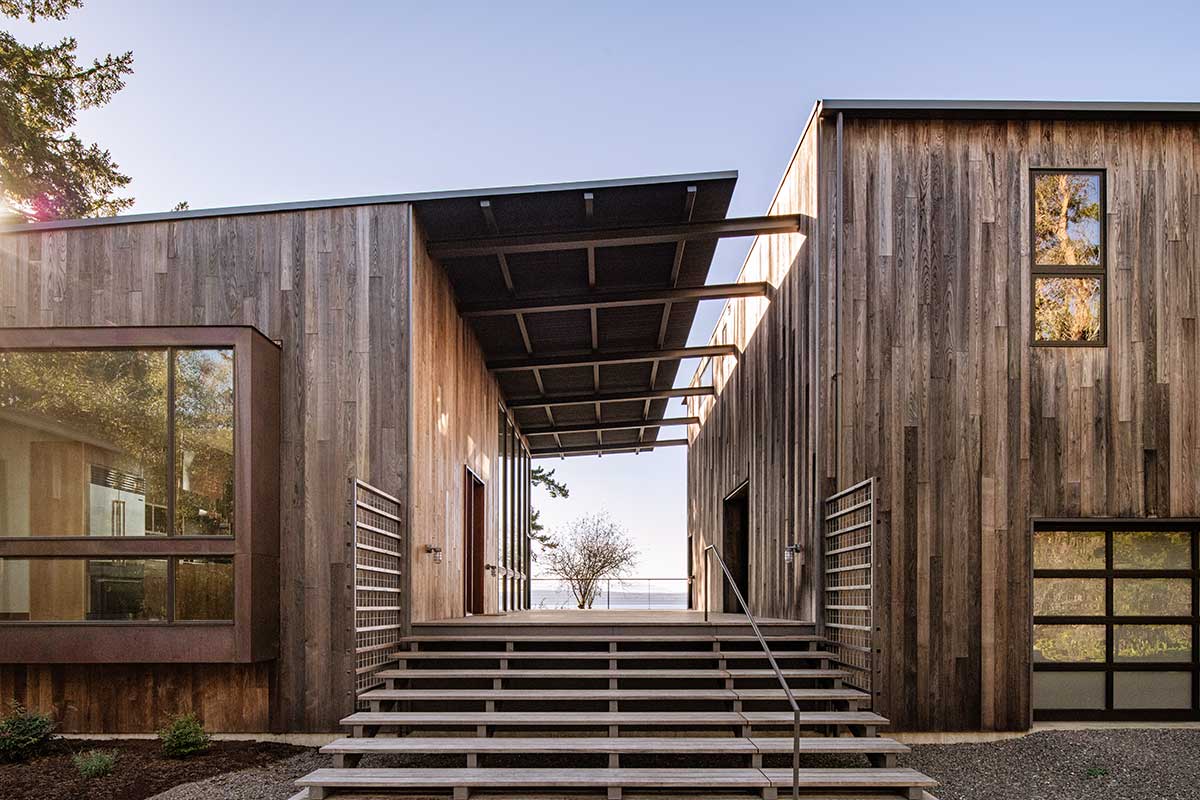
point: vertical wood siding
(972, 431)
(456, 404)
(932, 386)
(760, 426)
(331, 285)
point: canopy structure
(582, 296)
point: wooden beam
(614, 397)
(616, 237)
(594, 427)
(633, 297)
(625, 357)
(551, 452)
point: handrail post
(707, 583)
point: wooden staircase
(634, 711)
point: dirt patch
(141, 770)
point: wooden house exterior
(426, 346)
(899, 343)
(246, 454)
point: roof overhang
(583, 295)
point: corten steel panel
(253, 634)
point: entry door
(735, 547)
(474, 549)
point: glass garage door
(1115, 621)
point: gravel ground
(1130, 764)
(273, 782)
(1124, 764)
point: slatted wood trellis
(849, 581)
(378, 586)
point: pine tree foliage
(46, 171)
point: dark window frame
(253, 634)
(1110, 666)
(1067, 271)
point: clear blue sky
(253, 102)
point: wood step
(728, 695)
(461, 781)
(552, 795)
(609, 637)
(605, 744)
(673, 674)
(599, 719)
(603, 655)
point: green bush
(95, 763)
(185, 736)
(24, 733)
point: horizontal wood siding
(972, 431)
(331, 285)
(456, 404)
(759, 427)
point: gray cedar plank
(623, 744)
(601, 719)
(537, 778)
(609, 694)
(644, 778)
(575, 655)
(704, 674)
(504, 744)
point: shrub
(183, 737)
(95, 763)
(24, 733)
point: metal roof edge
(1011, 108)
(413, 197)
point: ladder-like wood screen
(378, 588)
(849, 581)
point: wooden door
(474, 544)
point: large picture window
(139, 488)
(1068, 254)
(1115, 620)
(117, 442)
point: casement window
(1068, 257)
(1115, 620)
(139, 488)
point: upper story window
(117, 442)
(1068, 257)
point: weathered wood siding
(456, 405)
(759, 427)
(972, 431)
(331, 285)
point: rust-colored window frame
(253, 634)
(1037, 270)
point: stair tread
(637, 777)
(605, 744)
(608, 673)
(604, 637)
(601, 655)
(610, 694)
(544, 795)
(603, 718)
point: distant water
(620, 597)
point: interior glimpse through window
(1068, 257)
(84, 442)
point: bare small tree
(592, 549)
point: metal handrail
(787, 690)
